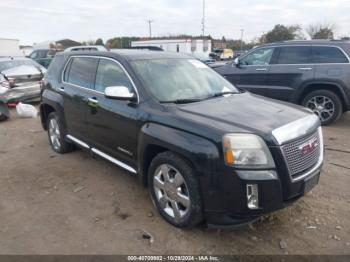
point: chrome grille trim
(301, 168)
(295, 129)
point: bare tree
(321, 31)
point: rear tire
(57, 135)
(325, 104)
(175, 191)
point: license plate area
(311, 182)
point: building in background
(56, 44)
(26, 49)
(219, 44)
(9, 47)
(199, 48)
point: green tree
(321, 31)
(99, 41)
(282, 33)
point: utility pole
(203, 19)
(150, 27)
(242, 30)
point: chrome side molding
(79, 142)
(296, 129)
(100, 153)
(113, 160)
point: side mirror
(237, 62)
(119, 93)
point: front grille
(297, 162)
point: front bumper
(226, 202)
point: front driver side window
(259, 57)
(109, 73)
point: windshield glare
(178, 79)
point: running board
(100, 153)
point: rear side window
(55, 66)
(80, 71)
(294, 55)
(109, 73)
(327, 54)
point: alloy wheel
(322, 106)
(171, 191)
(54, 133)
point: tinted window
(42, 54)
(51, 53)
(55, 66)
(294, 55)
(34, 55)
(80, 71)
(258, 57)
(109, 73)
(324, 54)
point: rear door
(331, 63)
(76, 88)
(292, 67)
(252, 71)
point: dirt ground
(79, 204)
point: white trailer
(196, 47)
(9, 47)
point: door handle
(305, 68)
(93, 102)
(61, 88)
(261, 69)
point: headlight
(246, 151)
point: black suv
(204, 149)
(315, 74)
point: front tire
(325, 104)
(57, 135)
(175, 191)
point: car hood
(244, 113)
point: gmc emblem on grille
(308, 147)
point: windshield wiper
(221, 94)
(182, 101)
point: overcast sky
(40, 20)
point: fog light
(252, 196)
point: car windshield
(180, 79)
(4, 65)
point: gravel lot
(79, 204)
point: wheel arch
(155, 139)
(51, 102)
(330, 86)
(45, 110)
